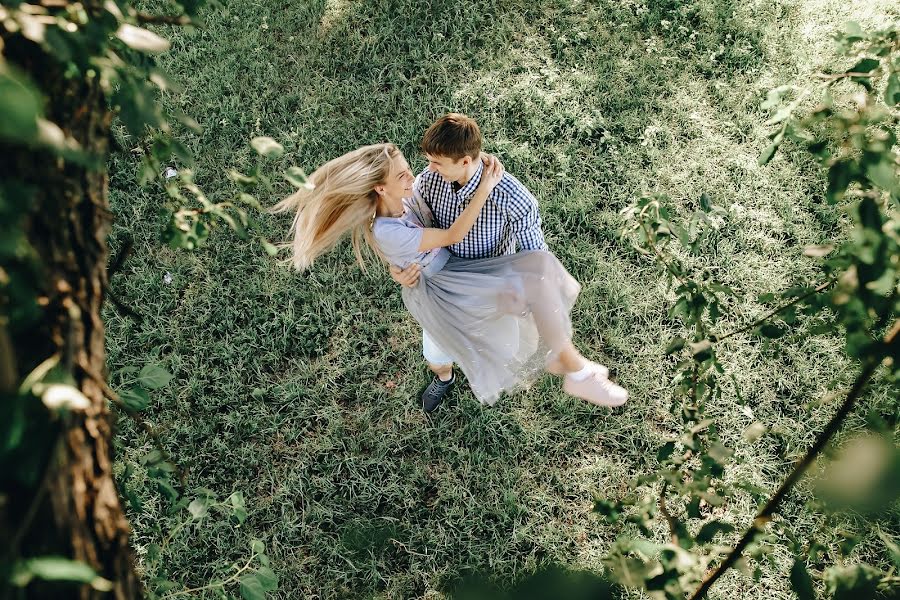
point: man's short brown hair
(453, 135)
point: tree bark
(75, 510)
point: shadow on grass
(549, 583)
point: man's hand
(407, 277)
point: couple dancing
(450, 236)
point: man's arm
(407, 277)
(524, 217)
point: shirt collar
(467, 190)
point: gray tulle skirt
(501, 318)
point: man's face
(449, 169)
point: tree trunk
(75, 510)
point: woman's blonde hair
(340, 197)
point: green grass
(299, 390)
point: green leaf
(267, 147)
(608, 508)
(249, 200)
(852, 582)
(681, 233)
(297, 177)
(257, 547)
(167, 490)
(237, 500)
(720, 453)
(198, 508)
(711, 529)
(852, 31)
(162, 585)
(675, 345)
(239, 512)
(135, 398)
(152, 457)
(270, 248)
(665, 451)
(866, 65)
(20, 105)
(267, 578)
(693, 508)
(134, 501)
(632, 572)
(240, 178)
(840, 175)
(885, 284)
(801, 582)
(753, 432)
(705, 204)
(870, 214)
(892, 547)
(142, 40)
(154, 376)
(154, 551)
(766, 155)
(883, 174)
(770, 330)
(57, 568)
(892, 91)
(698, 349)
(251, 588)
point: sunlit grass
(300, 390)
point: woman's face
(399, 181)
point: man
(508, 222)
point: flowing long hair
(341, 198)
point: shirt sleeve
(525, 219)
(420, 186)
(399, 243)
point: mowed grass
(300, 390)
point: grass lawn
(301, 390)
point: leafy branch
(765, 514)
(857, 297)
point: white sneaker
(555, 367)
(596, 389)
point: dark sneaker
(435, 392)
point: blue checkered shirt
(509, 217)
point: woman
(368, 192)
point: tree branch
(221, 584)
(818, 289)
(765, 515)
(673, 527)
(8, 374)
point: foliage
(856, 296)
(96, 45)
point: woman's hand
(492, 173)
(491, 162)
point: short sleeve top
(399, 238)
